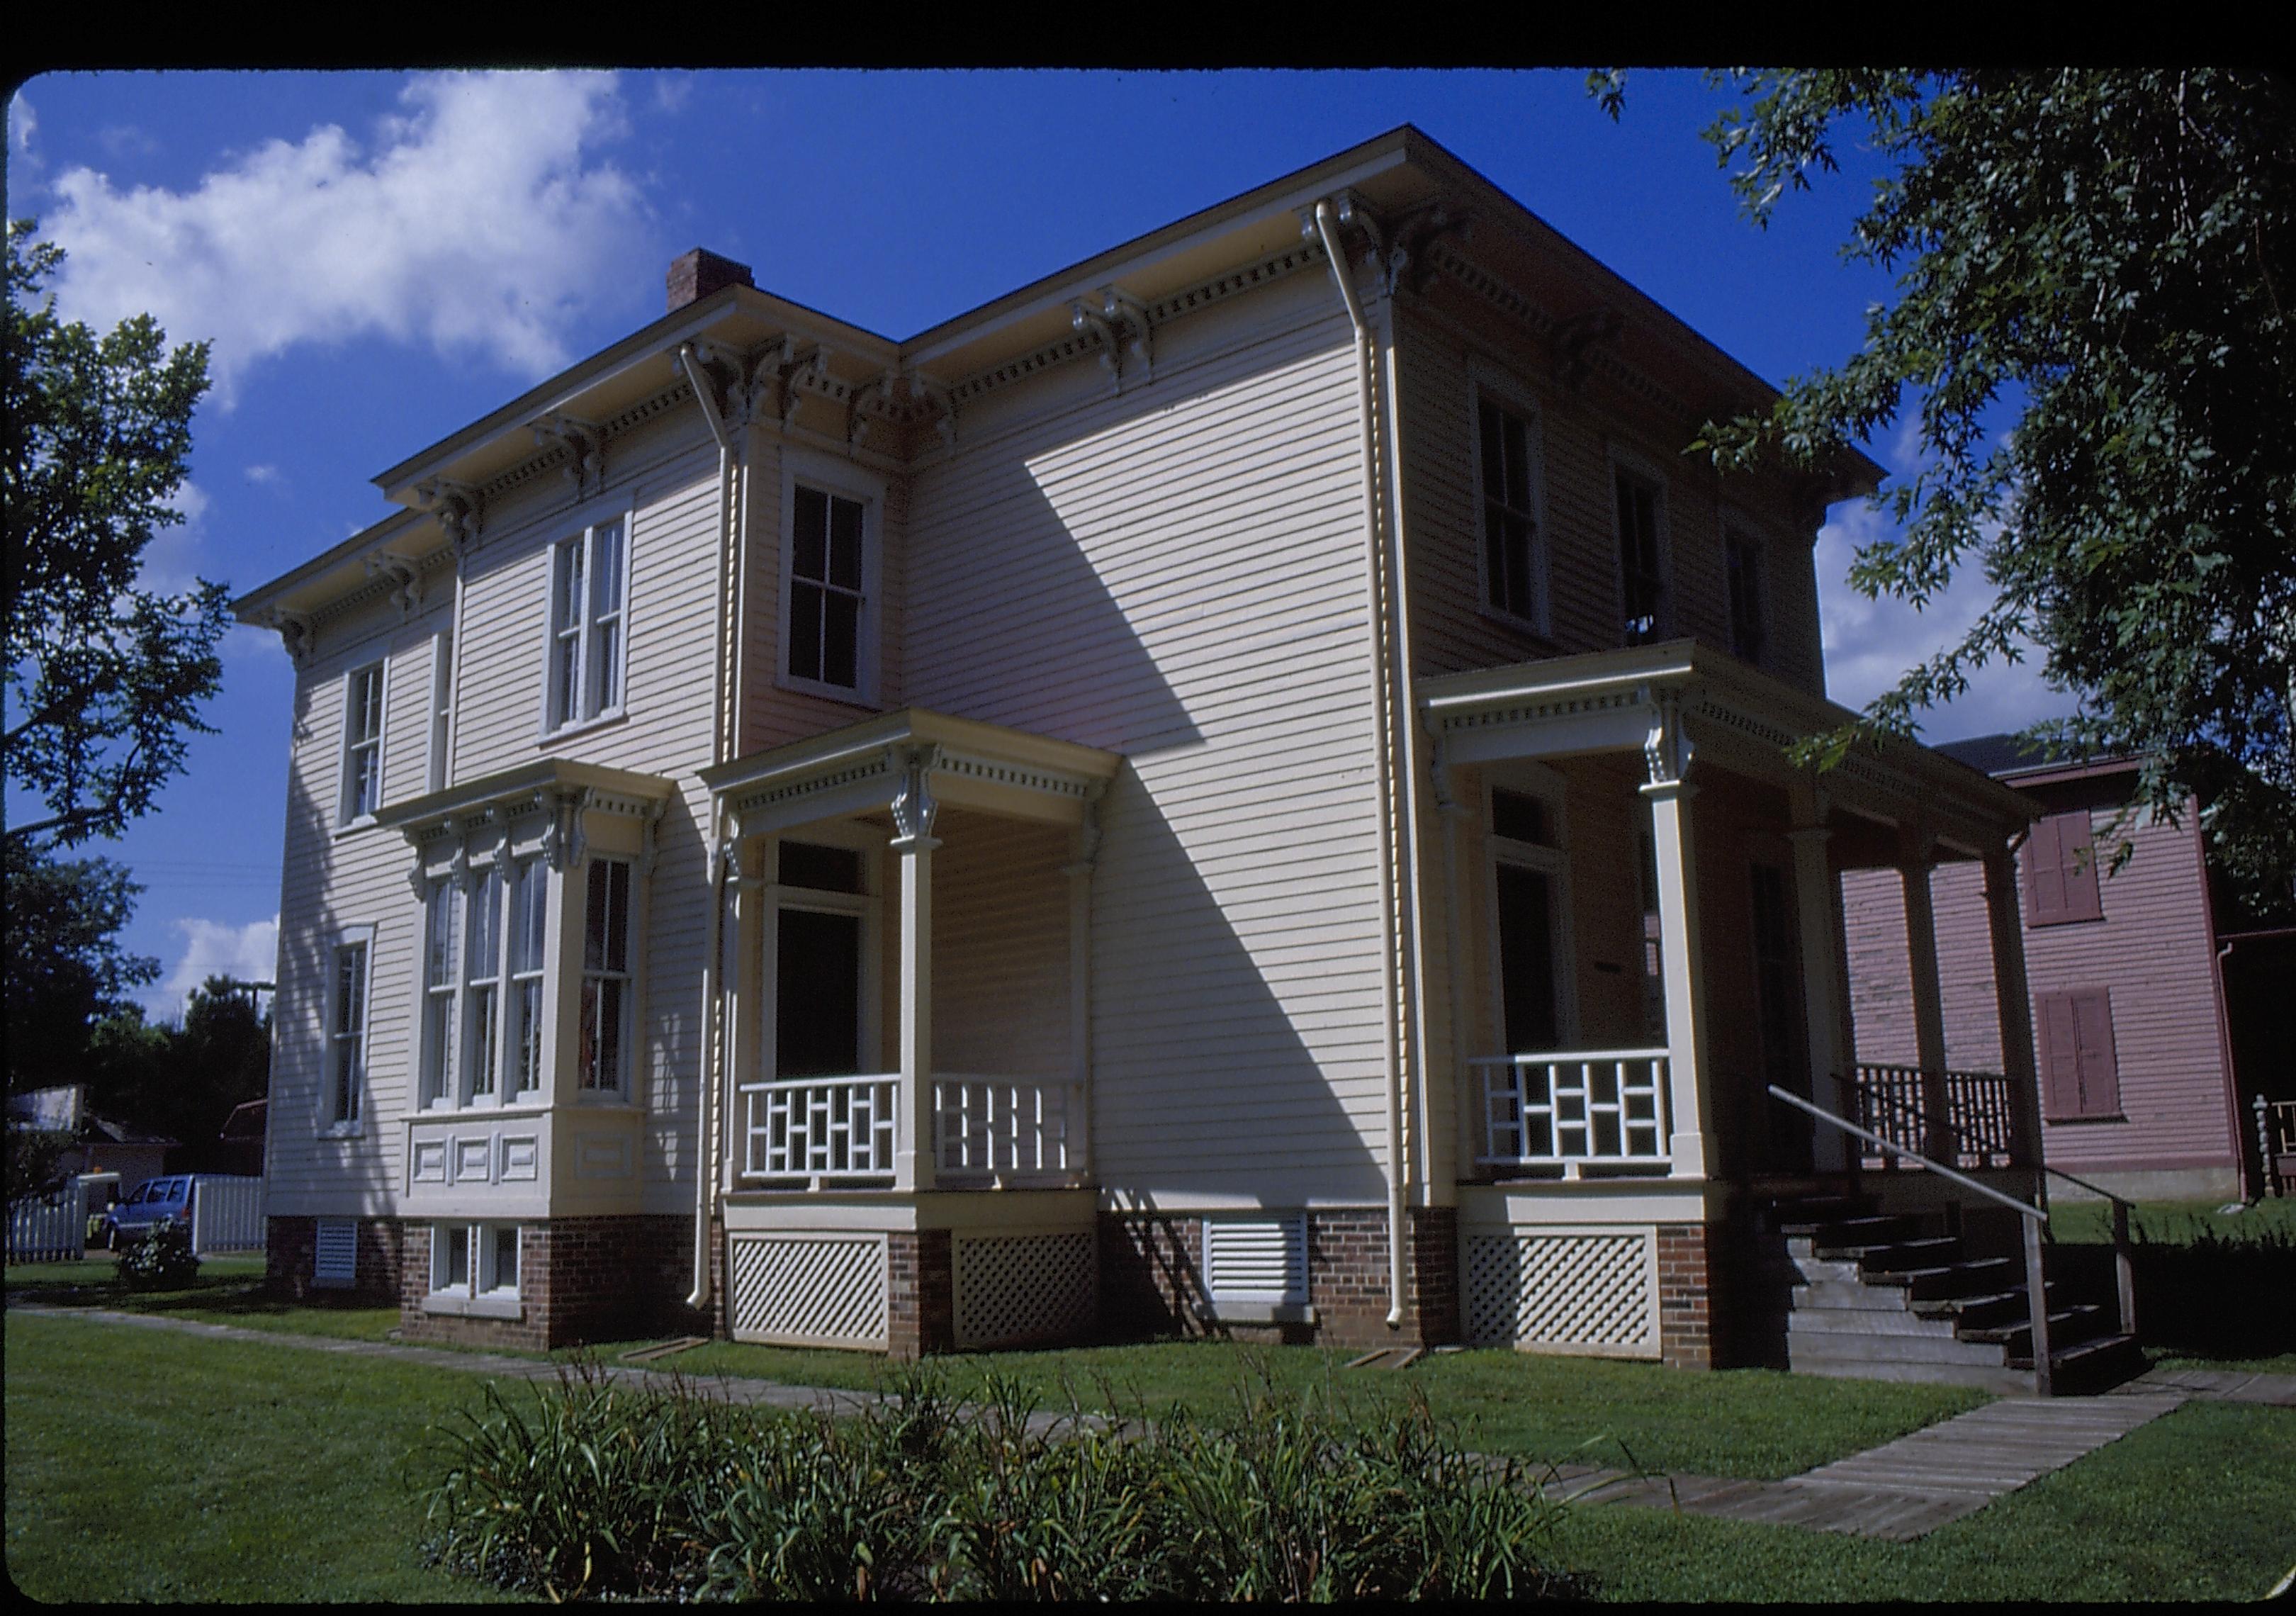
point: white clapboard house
(1242, 785)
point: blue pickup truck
(153, 1201)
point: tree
(104, 679)
(65, 969)
(184, 1082)
(2099, 259)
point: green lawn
(229, 1291)
(145, 1465)
(150, 1464)
(2214, 1290)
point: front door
(1525, 905)
(1778, 1023)
(817, 994)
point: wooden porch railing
(2275, 1144)
(1573, 1109)
(831, 1131)
(1979, 1108)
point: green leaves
(104, 679)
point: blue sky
(380, 258)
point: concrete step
(1888, 1347)
(1868, 1321)
(2002, 1382)
(1854, 1295)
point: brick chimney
(694, 275)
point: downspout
(1326, 227)
(705, 1164)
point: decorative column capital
(1667, 750)
(914, 807)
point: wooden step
(1904, 1256)
(1979, 1274)
(2081, 1322)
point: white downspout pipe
(1326, 227)
(705, 1161)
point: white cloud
(170, 562)
(22, 124)
(1869, 644)
(671, 90)
(265, 474)
(249, 953)
(477, 222)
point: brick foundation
(291, 1260)
(581, 1279)
(920, 1294)
(1690, 1258)
(1151, 1282)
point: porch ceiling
(1651, 698)
(963, 763)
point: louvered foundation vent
(1582, 1290)
(1253, 1264)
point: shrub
(161, 1259)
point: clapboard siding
(1437, 363)
(1176, 574)
(1001, 947)
(2152, 950)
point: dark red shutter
(2100, 1073)
(2077, 859)
(2055, 1021)
(2045, 880)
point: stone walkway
(1896, 1492)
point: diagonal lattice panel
(1024, 1288)
(810, 1290)
(1576, 1290)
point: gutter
(1326, 226)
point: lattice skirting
(1564, 1290)
(808, 1290)
(1017, 1288)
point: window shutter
(2045, 876)
(2100, 1073)
(2076, 861)
(2059, 1053)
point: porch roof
(1654, 698)
(861, 767)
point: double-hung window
(1514, 565)
(605, 974)
(1642, 581)
(346, 1040)
(482, 981)
(362, 779)
(587, 585)
(528, 898)
(437, 991)
(1743, 553)
(827, 592)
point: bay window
(605, 974)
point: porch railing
(1979, 1108)
(829, 1131)
(825, 1130)
(1008, 1130)
(1573, 1109)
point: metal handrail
(2124, 1265)
(2037, 1292)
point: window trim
(1634, 463)
(439, 748)
(581, 528)
(1484, 380)
(868, 905)
(347, 815)
(480, 1292)
(627, 976)
(1529, 779)
(846, 481)
(464, 1088)
(520, 1038)
(335, 1119)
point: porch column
(1667, 753)
(913, 810)
(1079, 873)
(1929, 1007)
(1817, 900)
(2006, 920)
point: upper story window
(442, 711)
(826, 591)
(362, 773)
(588, 583)
(1514, 561)
(1642, 578)
(1742, 556)
(2060, 871)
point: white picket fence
(49, 1229)
(226, 1214)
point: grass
(228, 1290)
(147, 1464)
(2172, 1222)
(2199, 1504)
(2214, 1290)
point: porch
(1642, 921)
(902, 1002)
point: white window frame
(1622, 459)
(348, 815)
(472, 1047)
(846, 481)
(1485, 381)
(482, 1263)
(337, 1118)
(1538, 780)
(442, 711)
(525, 1037)
(437, 1045)
(1736, 527)
(627, 977)
(580, 537)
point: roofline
(246, 607)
